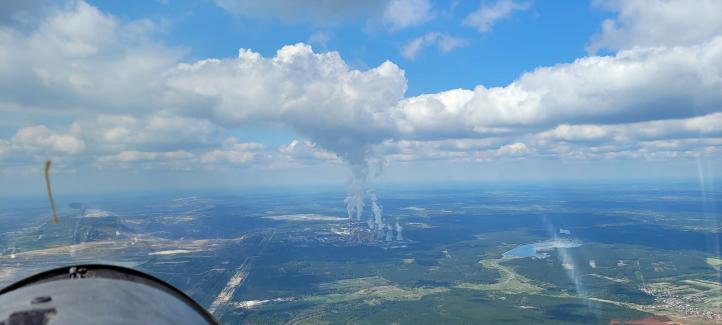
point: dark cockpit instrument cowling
(97, 294)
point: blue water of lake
(538, 250)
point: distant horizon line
(689, 183)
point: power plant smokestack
(389, 233)
(354, 205)
(355, 197)
(380, 233)
(377, 210)
(359, 205)
(399, 235)
(350, 205)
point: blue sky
(203, 94)
(547, 33)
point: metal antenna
(54, 219)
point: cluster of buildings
(360, 233)
(686, 305)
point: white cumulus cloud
(634, 85)
(406, 13)
(445, 43)
(79, 58)
(40, 138)
(235, 154)
(658, 23)
(488, 14)
(315, 94)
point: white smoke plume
(377, 210)
(399, 229)
(354, 203)
(377, 217)
(370, 223)
(380, 233)
(356, 189)
(350, 207)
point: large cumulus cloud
(317, 95)
(78, 58)
(650, 23)
(631, 86)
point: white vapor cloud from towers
(377, 211)
(355, 200)
(399, 229)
